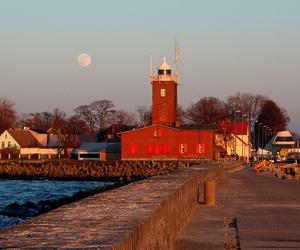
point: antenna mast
(176, 60)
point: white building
(27, 143)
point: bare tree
(23, 120)
(58, 118)
(124, 118)
(70, 128)
(180, 114)
(7, 114)
(207, 111)
(103, 112)
(246, 103)
(43, 121)
(144, 115)
(85, 113)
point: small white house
(20, 138)
(234, 137)
(28, 143)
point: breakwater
(21, 200)
(87, 170)
(146, 214)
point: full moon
(84, 60)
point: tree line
(100, 114)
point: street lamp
(254, 137)
(243, 115)
(267, 135)
(237, 111)
(258, 135)
(263, 136)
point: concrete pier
(264, 211)
(146, 214)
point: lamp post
(258, 135)
(263, 137)
(243, 135)
(250, 136)
(237, 111)
(267, 135)
(270, 137)
(254, 137)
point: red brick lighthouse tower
(164, 95)
(165, 138)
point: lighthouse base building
(165, 139)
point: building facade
(233, 136)
(165, 138)
(25, 143)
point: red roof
(231, 127)
(24, 138)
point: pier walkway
(267, 210)
(145, 214)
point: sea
(16, 193)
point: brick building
(166, 139)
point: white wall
(6, 138)
(42, 151)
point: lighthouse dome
(164, 68)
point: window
(133, 149)
(157, 149)
(161, 71)
(163, 92)
(199, 149)
(182, 148)
(168, 72)
(203, 148)
(284, 138)
(150, 149)
(9, 144)
(165, 149)
(3, 144)
(5, 136)
(157, 132)
(89, 156)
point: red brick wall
(163, 143)
(164, 107)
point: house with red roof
(27, 143)
(234, 138)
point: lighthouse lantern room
(164, 95)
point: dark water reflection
(23, 191)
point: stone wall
(165, 223)
(92, 170)
(147, 214)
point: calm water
(22, 191)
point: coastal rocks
(30, 209)
(91, 170)
(15, 209)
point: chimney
(177, 123)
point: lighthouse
(164, 95)
(165, 138)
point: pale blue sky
(226, 46)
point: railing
(164, 78)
